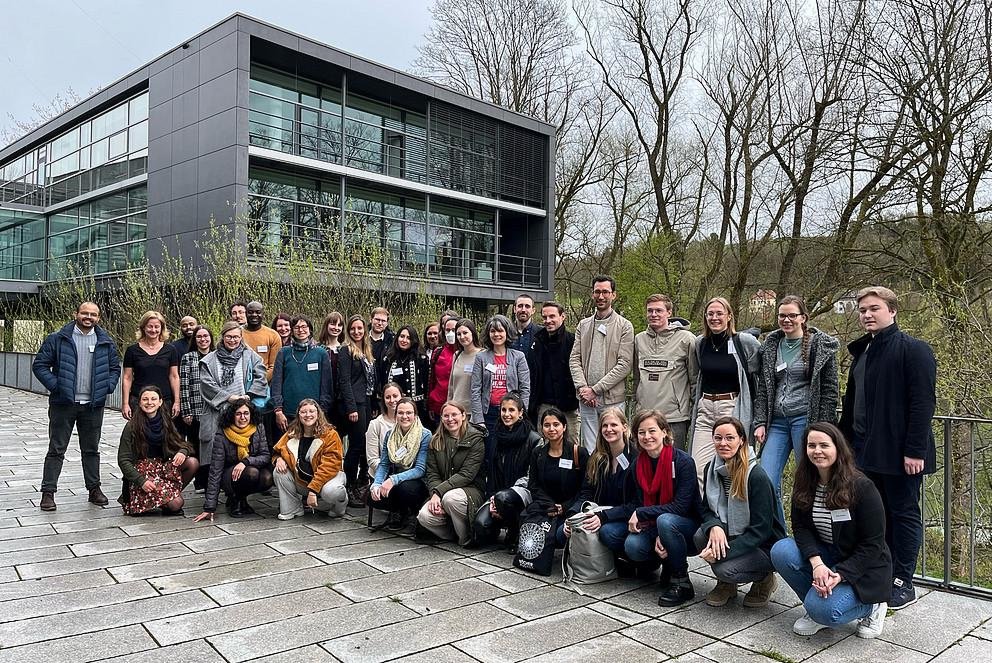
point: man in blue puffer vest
(79, 365)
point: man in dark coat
(551, 382)
(79, 365)
(888, 407)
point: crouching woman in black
(240, 462)
(156, 461)
(507, 483)
(555, 475)
(741, 519)
(837, 562)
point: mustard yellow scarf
(240, 438)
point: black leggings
(252, 480)
(405, 498)
(355, 465)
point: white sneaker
(871, 626)
(290, 515)
(806, 626)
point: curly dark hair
(840, 488)
(226, 417)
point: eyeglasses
(656, 311)
(232, 337)
(242, 414)
(600, 293)
(302, 326)
(789, 316)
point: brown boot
(48, 501)
(760, 592)
(97, 497)
(720, 595)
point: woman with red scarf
(670, 515)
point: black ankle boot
(679, 591)
(245, 507)
(234, 507)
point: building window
(463, 242)
(385, 139)
(292, 215)
(102, 236)
(22, 246)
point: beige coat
(619, 357)
(665, 371)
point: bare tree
(43, 112)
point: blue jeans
(782, 436)
(612, 535)
(676, 533)
(640, 547)
(841, 607)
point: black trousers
(355, 465)
(88, 421)
(903, 519)
(252, 480)
(405, 498)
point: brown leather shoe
(97, 497)
(721, 594)
(761, 592)
(48, 501)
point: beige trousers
(453, 523)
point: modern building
(292, 145)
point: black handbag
(536, 547)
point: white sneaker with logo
(871, 626)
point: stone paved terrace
(87, 584)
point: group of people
(474, 434)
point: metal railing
(15, 372)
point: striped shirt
(190, 398)
(821, 515)
(85, 347)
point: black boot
(679, 591)
(234, 507)
(245, 507)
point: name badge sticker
(92, 349)
(401, 452)
(623, 462)
(840, 515)
(262, 348)
(601, 329)
(730, 348)
(396, 371)
(313, 367)
(491, 368)
(565, 464)
(781, 367)
(468, 368)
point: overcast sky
(51, 45)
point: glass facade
(386, 228)
(22, 245)
(457, 149)
(107, 149)
(100, 236)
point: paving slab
(70, 601)
(197, 651)
(309, 654)
(226, 541)
(935, 622)
(856, 650)
(327, 541)
(134, 542)
(623, 615)
(541, 602)
(218, 574)
(984, 631)
(968, 650)
(54, 584)
(35, 555)
(609, 647)
(449, 595)
(511, 581)
(537, 637)
(409, 559)
(666, 638)
(295, 580)
(158, 554)
(364, 551)
(196, 625)
(415, 635)
(721, 622)
(82, 648)
(445, 654)
(288, 634)
(50, 538)
(397, 582)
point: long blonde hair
(599, 462)
(737, 466)
(320, 428)
(722, 301)
(437, 440)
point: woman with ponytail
(740, 520)
(796, 386)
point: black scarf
(154, 436)
(228, 360)
(513, 437)
(304, 468)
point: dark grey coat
(824, 391)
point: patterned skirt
(168, 485)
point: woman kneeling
(154, 459)
(308, 465)
(398, 485)
(454, 476)
(837, 562)
(741, 520)
(240, 461)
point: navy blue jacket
(55, 367)
(685, 502)
(900, 396)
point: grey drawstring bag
(586, 560)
